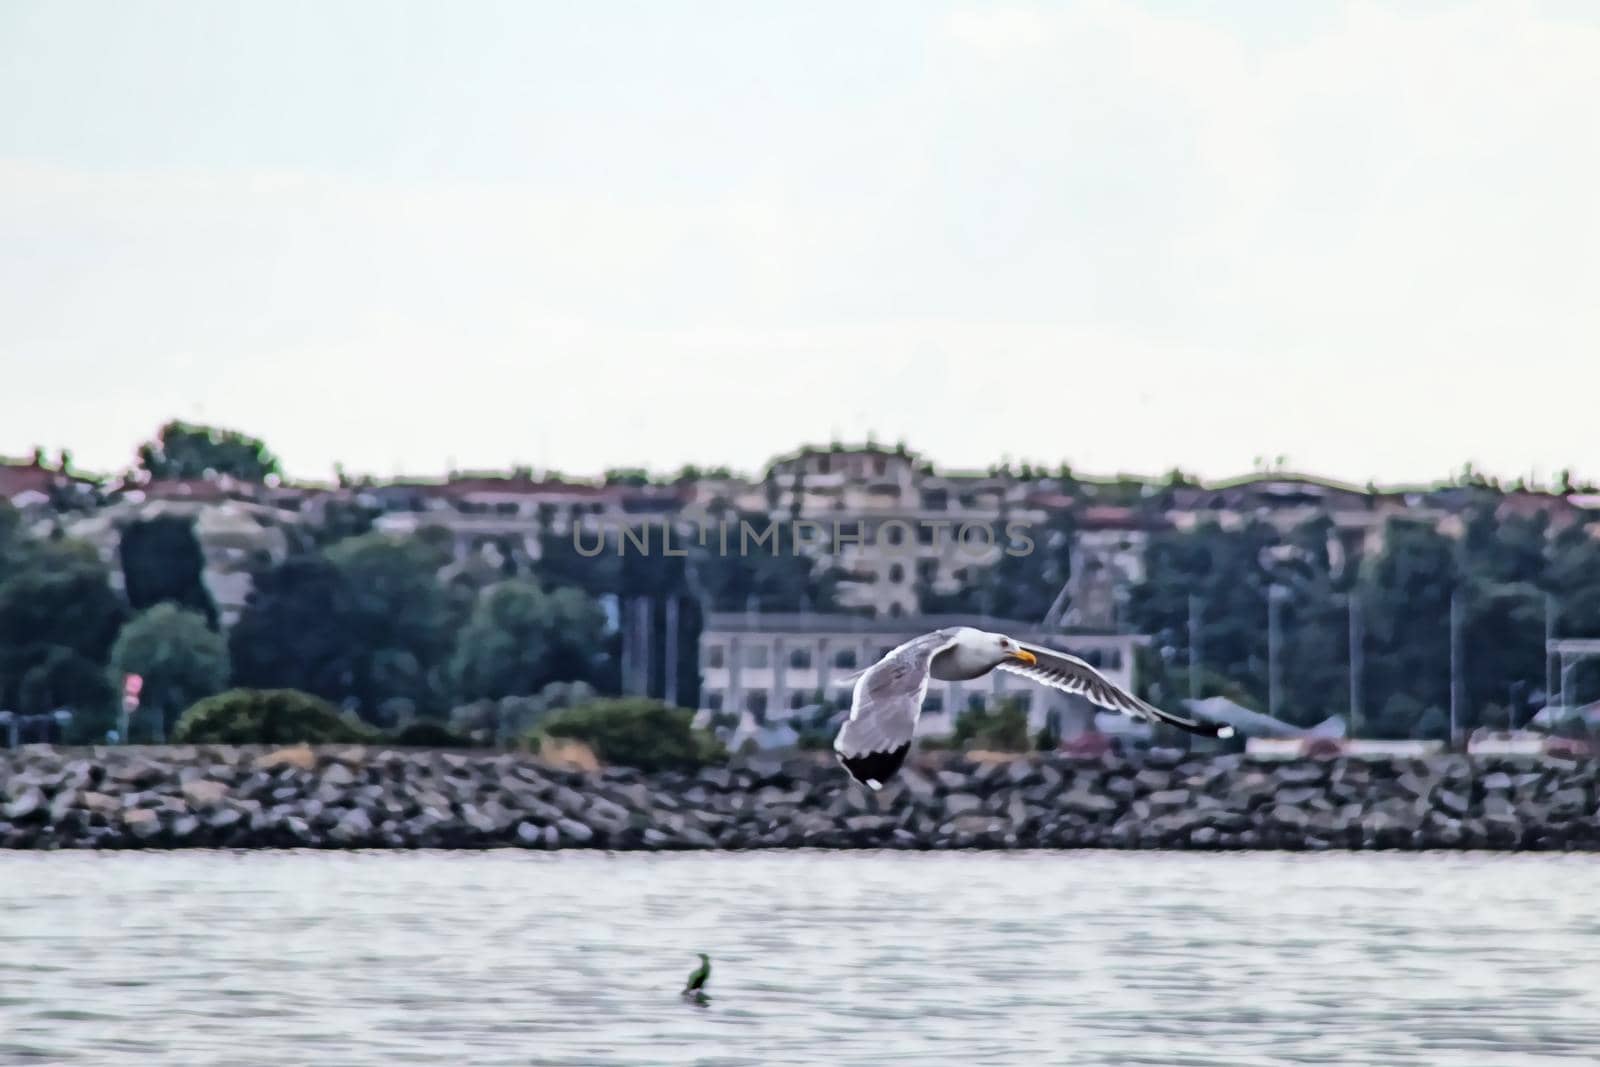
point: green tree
(11, 533)
(162, 562)
(617, 578)
(188, 450)
(402, 622)
(58, 617)
(179, 656)
(520, 638)
(1406, 594)
(1223, 568)
(297, 630)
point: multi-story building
(891, 526)
(507, 515)
(770, 666)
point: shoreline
(355, 797)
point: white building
(769, 666)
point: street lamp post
(1456, 688)
(1275, 597)
(1357, 648)
(1194, 647)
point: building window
(845, 659)
(933, 704)
(844, 695)
(894, 533)
(974, 701)
(756, 704)
(756, 656)
(797, 701)
(895, 611)
(884, 650)
(800, 659)
(714, 700)
(714, 657)
(897, 573)
(1116, 659)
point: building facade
(770, 667)
(892, 528)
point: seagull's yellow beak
(1025, 656)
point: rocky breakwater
(351, 797)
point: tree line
(1504, 574)
(397, 628)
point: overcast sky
(1365, 236)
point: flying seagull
(874, 740)
(696, 986)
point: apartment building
(770, 666)
(884, 518)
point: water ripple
(1232, 960)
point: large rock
(204, 793)
(30, 806)
(300, 757)
(142, 823)
(353, 826)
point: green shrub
(425, 733)
(635, 732)
(267, 716)
(1003, 728)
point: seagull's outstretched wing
(1072, 675)
(874, 740)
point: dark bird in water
(695, 989)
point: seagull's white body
(875, 739)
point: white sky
(1362, 236)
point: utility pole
(1549, 643)
(1456, 690)
(625, 620)
(1357, 649)
(1274, 646)
(671, 666)
(1194, 647)
(645, 639)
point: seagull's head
(1002, 649)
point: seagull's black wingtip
(874, 769)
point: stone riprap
(350, 797)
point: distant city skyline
(1127, 235)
